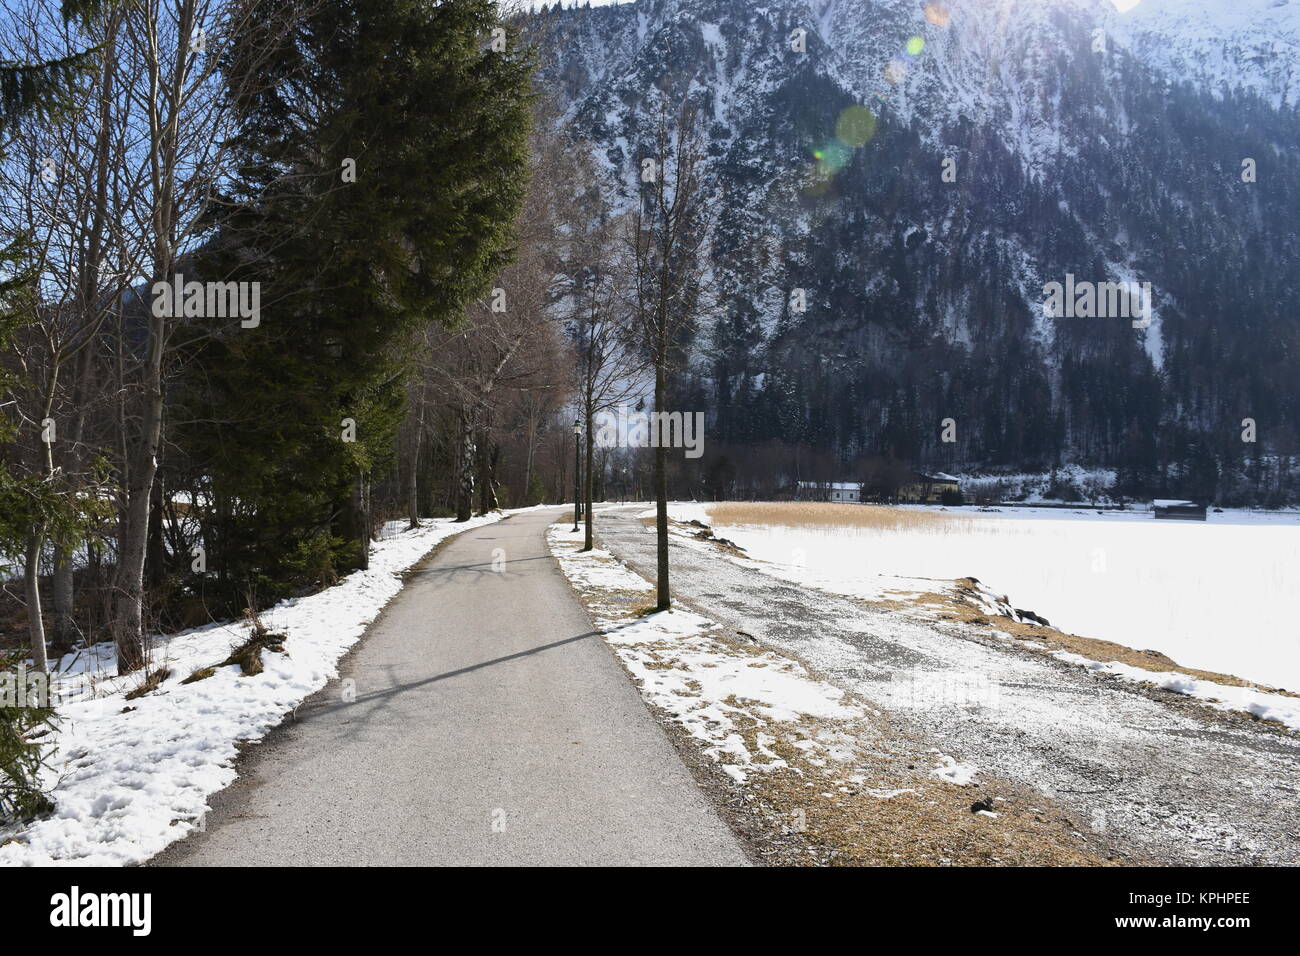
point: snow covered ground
(130, 777)
(1176, 779)
(1212, 595)
(714, 690)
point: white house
(830, 491)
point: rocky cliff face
(921, 170)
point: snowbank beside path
(130, 777)
(734, 700)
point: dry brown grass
(929, 823)
(822, 515)
(840, 815)
(1106, 651)
(153, 679)
(960, 605)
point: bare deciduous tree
(610, 362)
(667, 237)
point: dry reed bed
(826, 516)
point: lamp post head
(577, 427)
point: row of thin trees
(103, 188)
(189, 140)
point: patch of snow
(1266, 706)
(712, 690)
(889, 794)
(954, 771)
(130, 777)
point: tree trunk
(164, 87)
(487, 499)
(359, 507)
(413, 470)
(367, 517)
(661, 497)
(63, 595)
(35, 623)
(528, 460)
(588, 538)
(490, 503)
(415, 438)
(155, 560)
(465, 498)
(413, 489)
(599, 488)
(128, 615)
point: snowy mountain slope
(1219, 45)
(1112, 156)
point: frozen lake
(1216, 595)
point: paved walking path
(490, 726)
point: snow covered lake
(1215, 595)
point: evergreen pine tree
(383, 163)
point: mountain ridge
(1074, 153)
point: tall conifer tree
(383, 165)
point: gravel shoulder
(1155, 774)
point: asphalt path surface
(486, 724)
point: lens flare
(856, 126)
(834, 156)
(915, 45)
(937, 13)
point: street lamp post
(577, 473)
